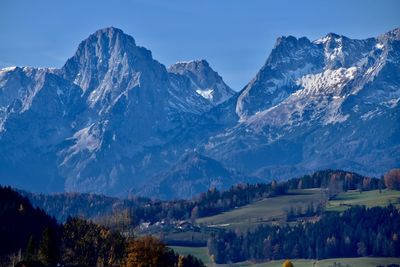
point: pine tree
(30, 249)
(48, 253)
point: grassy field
(367, 198)
(268, 210)
(345, 262)
(273, 210)
(201, 252)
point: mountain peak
(109, 30)
(203, 79)
(111, 33)
(290, 40)
(329, 38)
(107, 39)
(334, 35)
(192, 64)
(106, 55)
(392, 35)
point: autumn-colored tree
(366, 183)
(148, 252)
(335, 185)
(195, 213)
(392, 179)
(181, 260)
(287, 263)
(86, 243)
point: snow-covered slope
(290, 59)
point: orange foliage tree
(392, 179)
(287, 263)
(148, 252)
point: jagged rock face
(129, 107)
(114, 120)
(329, 120)
(108, 65)
(204, 80)
(18, 87)
(134, 106)
(37, 119)
(290, 59)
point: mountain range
(114, 120)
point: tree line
(216, 201)
(356, 232)
(123, 213)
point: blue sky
(234, 36)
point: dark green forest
(356, 232)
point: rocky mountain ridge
(114, 120)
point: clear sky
(234, 36)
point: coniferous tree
(48, 249)
(29, 254)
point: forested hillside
(137, 209)
(30, 236)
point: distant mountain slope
(114, 120)
(192, 175)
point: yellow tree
(287, 263)
(392, 179)
(147, 252)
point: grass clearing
(269, 210)
(273, 210)
(201, 253)
(345, 262)
(368, 198)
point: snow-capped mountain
(323, 102)
(204, 80)
(108, 65)
(114, 120)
